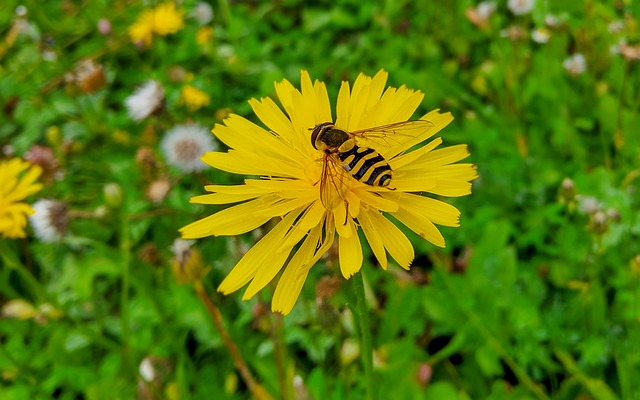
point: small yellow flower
(204, 35)
(14, 188)
(168, 19)
(162, 20)
(187, 264)
(290, 168)
(194, 98)
(142, 30)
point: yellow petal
(358, 102)
(436, 158)
(436, 211)
(297, 269)
(412, 183)
(396, 243)
(241, 134)
(350, 254)
(342, 105)
(269, 268)
(376, 88)
(372, 236)
(271, 115)
(451, 189)
(354, 204)
(231, 221)
(252, 164)
(342, 222)
(324, 105)
(310, 219)
(261, 253)
(420, 225)
(411, 157)
(374, 200)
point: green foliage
(535, 296)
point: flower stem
(11, 260)
(277, 332)
(255, 388)
(125, 249)
(366, 348)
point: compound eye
(314, 136)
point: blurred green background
(536, 295)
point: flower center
(187, 150)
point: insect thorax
(327, 135)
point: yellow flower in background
(204, 35)
(142, 30)
(168, 19)
(17, 181)
(162, 20)
(291, 185)
(194, 98)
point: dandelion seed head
(575, 64)
(145, 100)
(89, 76)
(183, 146)
(203, 13)
(485, 9)
(104, 26)
(158, 190)
(540, 35)
(49, 222)
(520, 7)
(21, 11)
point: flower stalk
(366, 347)
(254, 387)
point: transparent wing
(392, 135)
(334, 182)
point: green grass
(531, 298)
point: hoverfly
(351, 153)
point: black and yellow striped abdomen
(367, 166)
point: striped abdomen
(367, 166)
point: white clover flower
(146, 369)
(145, 100)
(486, 8)
(203, 13)
(588, 204)
(540, 35)
(576, 64)
(551, 20)
(616, 49)
(185, 144)
(521, 7)
(616, 26)
(50, 220)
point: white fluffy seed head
(49, 222)
(203, 13)
(576, 64)
(520, 7)
(183, 146)
(145, 100)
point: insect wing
(334, 182)
(406, 133)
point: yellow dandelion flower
(142, 30)
(324, 194)
(168, 19)
(162, 20)
(14, 187)
(204, 35)
(194, 98)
